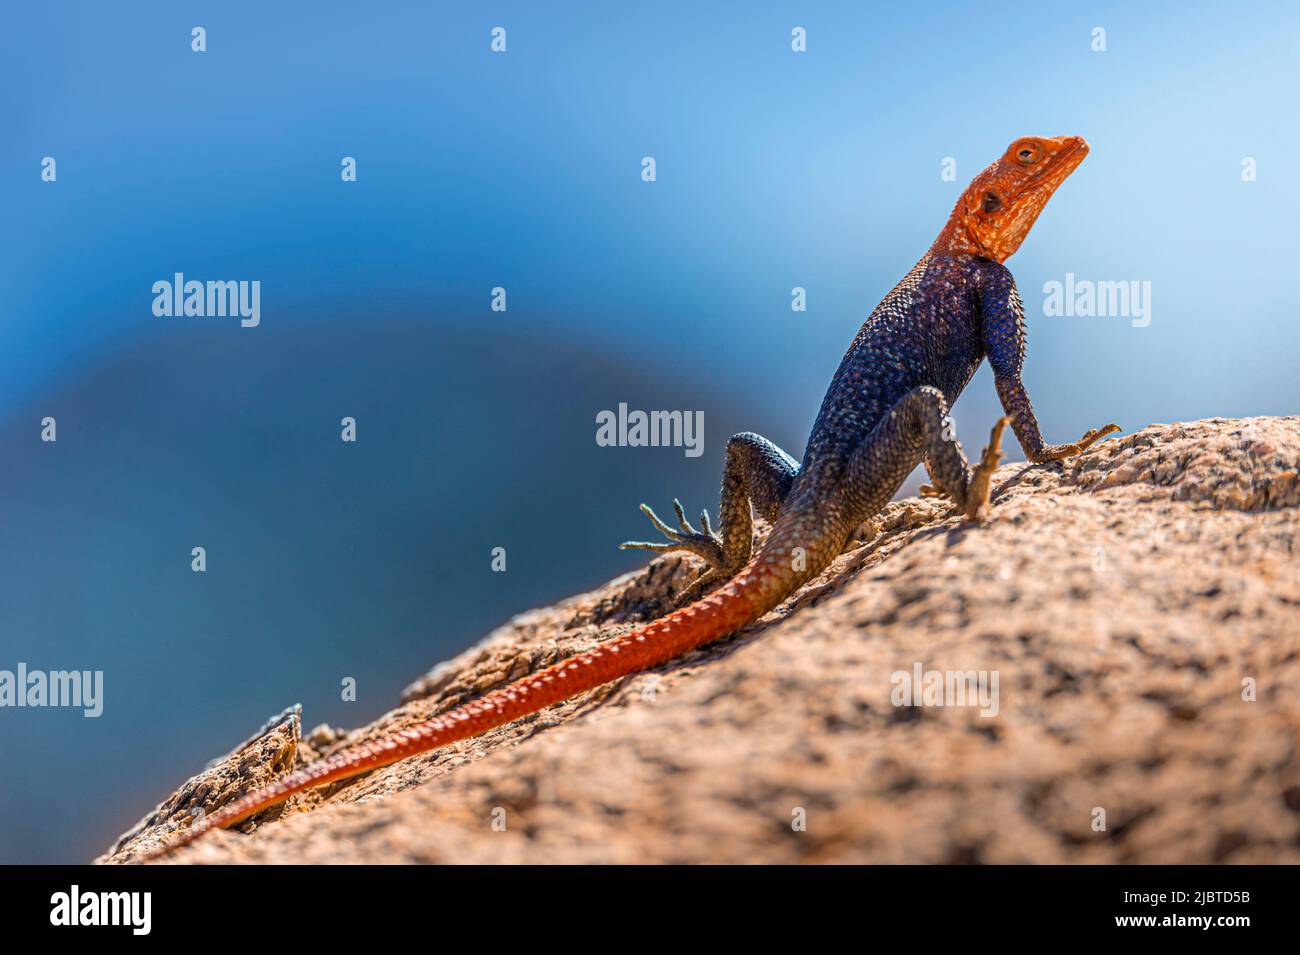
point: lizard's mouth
(996, 232)
(1026, 207)
(1063, 163)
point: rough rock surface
(1140, 607)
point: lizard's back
(926, 331)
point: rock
(259, 760)
(1140, 607)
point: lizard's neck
(958, 238)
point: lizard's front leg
(756, 471)
(1015, 400)
(1003, 318)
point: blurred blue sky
(522, 170)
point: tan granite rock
(1130, 603)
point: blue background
(476, 429)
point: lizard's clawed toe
(700, 585)
(977, 506)
(1094, 435)
(1058, 452)
(702, 543)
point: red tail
(749, 595)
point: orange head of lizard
(999, 207)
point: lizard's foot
(702, 543)
(976, 504)
(1057, 452)
(706, 581)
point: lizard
(885, 412)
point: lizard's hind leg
(917, 428)
(756, 471)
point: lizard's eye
(991, 202)
(1029, 152)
